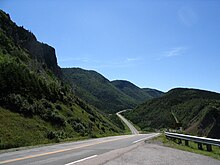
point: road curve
(76, 152)
(134, 131)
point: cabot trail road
(122, 150)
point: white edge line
(145, 138)
(90, 157)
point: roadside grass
(50, 143)
(15, 132)
(193, 147)
(21, 132)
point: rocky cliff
(26, 40)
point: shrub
(92, 118)
(18, 103)
(57, 119)
(57, 136)
(58, 107)
(77, 125)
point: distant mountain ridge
(139, 94)
(154, 93)
(197, 110)
(107, 96)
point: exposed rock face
(43, 53)
(26, 40)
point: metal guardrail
(200, 140)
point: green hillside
(107, 96)
(35, 105)
(138, 94)
(97, 90)
(197, 110)
(153, 92)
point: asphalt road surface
(115, 150)
(130, 126)
(72, 153)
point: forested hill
(107, 96)
(35, 105)
(97, 90)
(197, 110)
(139, 94)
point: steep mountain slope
(197, 110)
(140, 95)
(107, 96)
(26, 40)
(35, 105)
(97, 90)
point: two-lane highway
(123, 150)
(71, 153)
(74, 152)
(130, 126)
(113, 150)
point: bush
(92, 118)
(77, 125)
(57, 119)
(57, 136)
(19, 104)
(58, 107)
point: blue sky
(159, 44)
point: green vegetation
(153, 92)
(97, 90)
(197, 110)
(18, 130)
(36, 107)
(109, 97)
(193, 147)
(138, 94)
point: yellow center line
(59, 151)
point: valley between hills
(42, 103)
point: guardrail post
(200, 146)
(179, 141)
(209, 147)
(186, 143)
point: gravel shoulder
(152, 154)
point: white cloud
(123, 63)
(133, 59)
(174, 52)
(102, 63)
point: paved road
(123, 150)
(130, 126)
(71, 153)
